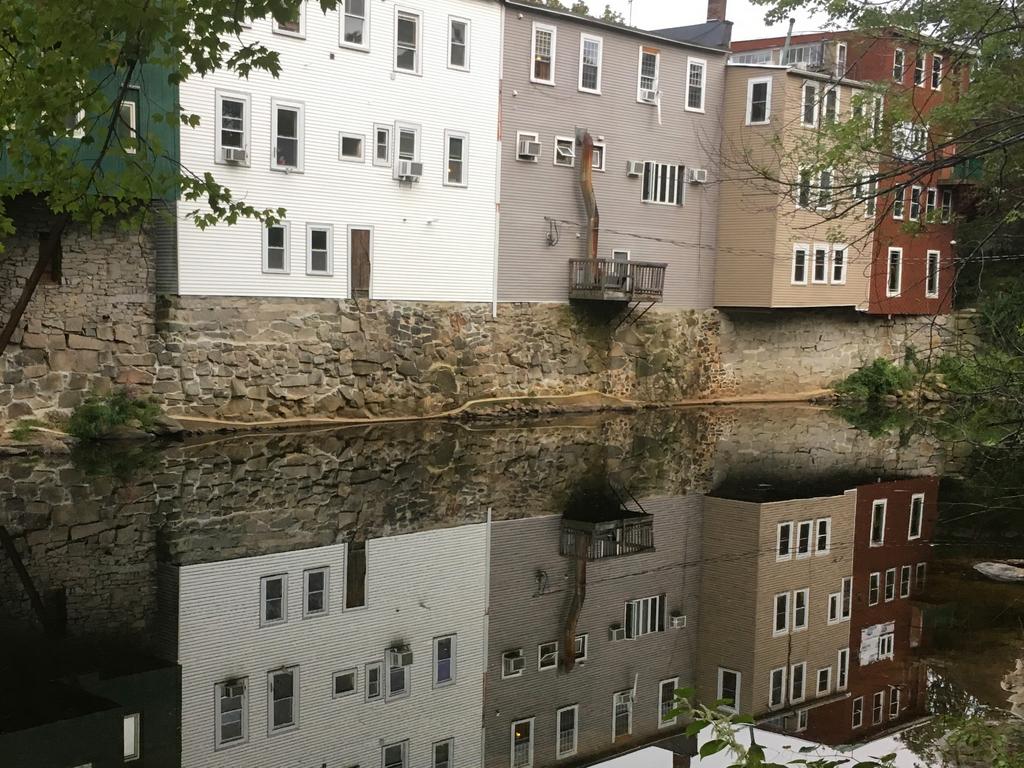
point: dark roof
(717, 34)
(764, 488)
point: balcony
(616, 280)
(611, 538)
(965, 172)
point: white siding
(420, 586)
(431, 241)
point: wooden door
(359, 262)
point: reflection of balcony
(615, 280)
(609, 538)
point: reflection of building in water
(349, 654)
(592, 627)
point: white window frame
(929, 292)
(899, 203)
(889, 588)
(841, 71)
(469, 39)
(627, 697)
(703, 64)
(807, 525)
(915, 203)
(551, 653)
(823, 249)
(464, 137)
(906, 576)
(403, 746)
(843, 669)
(803, 104)
(800, 626)
(355, 683)
(818, 690)
(823, 117)
(219, 742)
(877, 705)
(916, 501)
(585, 638)
(894, 702)
(377, 128)
(899, 55)
(674, 681)
(804, 174)
(655, 616)
(407, 677)
(931, 201)
(734, 707)
(300, 127)
(379, 667)
(603, 154)
(342, 135)
(453, 674)
(782, 689)
(451, 753)
(512, 743)
(554, 151)
(540, 26)
(834, 608)
(797, 247)
(246, 100)
(131, 726)
(329, 228)
(271, 728)
(561, 754)
(342, 42)
(892, 293)
(793, 699)
(300, 33)
(936, 69)
(920, 69)
(824, 201)
(128, 100)
(585, 38)
(881, 504)
(531, 136)
(846, 598)
(845, 250)
(778, 631)
(400, 11)
(875, 585)
(801, 719)
(507, 655)
(790, 548)
(264, 622)
(947, 206)
(396, 138)
(750, 103)
(676, 192)
(656, 53)
(306, 613)
(857, 712)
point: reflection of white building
(342, 655)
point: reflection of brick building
(894, 525)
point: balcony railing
(610, 539)
(615, 280)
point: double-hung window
(663, 183)
(947, 205)
(916, 510)
(797, 678)
(877, 707)
(287, 141)
(809, 106)
(442, 753)
(930, 202)
(232, 712)
(542, 54)
(314, 581)
(696, 81)
(273, 600)
(784, 541)
(931, 286)
(591, 49)
(444, 660)
(522, 744)
(803, 536)
(777, 688)
(395, 755)
(407, 40)
(374, 674)
(842, 669)
(458, 43)
(893, 283)
(622, 714)
(899, 196)
(283, 699)
(398, 678)
(759, 100)
(729, 682)
(567, 727)
(878, 509)
(647, 78)
(905, 581)
(355, 24)
(890, 585)
(407, 144)
(819, 274)
(919, 576)
(799, 277)
(319, 261)
(643, 616)
(919, 69)
(800, 600)
(382, 145)
(456, 147)
(898, 60)
(781, 616)
(847, 597)
(915, 203)
(667, 701)
(874, 587)
(803, 195)
(838, 278)
(857, 719)
(831, 106)
(825, 189)
(894, 702)
(840, 60)
(824, 681)
(233, 127)
(936, 72)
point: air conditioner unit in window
(697, 175)
(678, 622)
(649, 96)
(615, 632)
(529, 149)
(634, 168)
(410, 170)
(400, 657)
(513, 663)
(234, 154)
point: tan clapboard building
(781, 243)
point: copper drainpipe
(586, 143)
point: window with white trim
(759, 100)
(350, 147)
(898, 64)
(824, 681)
(825, 189)
(784, 541)
(905, 581)
(871, 196)
(398, 678)
(343, 683)
(622, 714)
(833, 608)
(648, 71)
(777, 688)
(838, 277)
(947, 205)
(407, 144)
(382, 145)
(456, 152)
(809, 105)
(524, 136)
(877, 707)
(729, 682)
(458, 43)
(233, 125)
(916, 502)
(542, 54)
(930, 201)
(522, 744)
(442, 753)
(232, 712)
(842, 669)
(877, 109)
(899, 196)
(894, 702)
(857, 719)
(847, 597)
(893, 284)
(801, 598)
(890, 585)
(395, 755)
(126, 128)
(801, 719)
(355, 24)
(567, 729)
(667, 701)
(512, 663)
(874, 587)
(564, 152)
(444, 660)
(803, 537)
(591, 49)
(830, 108)
(374, 675)
(840, 60)
(597, 157)
(663, 183)
(294, 26)
(645, 616)
(131, 745)
(580, 648)
(919, 61)
(547, 656)
(803, 197)
(799, 274)
(314, 580)
(408, 26)
(915, 203)
(797, 678)
(877, 537)
(819, 274)
(781, 620)
(283, 699)
(936, 72)
(696, 83)
(273, 599)
(286, 140)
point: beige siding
(682, 236)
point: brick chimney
(716, 10)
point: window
(355, 31)
(936, 72)
(564, 151)
(931, 198)
(801, 719)
(797, 674)
(130, 743)
(892, 288)
(407, 41)
(344, 683)
(843, 669)
(803, 198)
(512, 663)
(273, 599)
(127, 127)
(917, 500)
(809, 107)
(547, 655)
(580, 649)
(877, 706)
(858, 712)
(759, 97)
(443, 753)
(890, 585)
(871, 196)
(320, 247)
(647, 79)
(898, 68)
(838, 278)
(395, 755)
(458, 43)
(833, 608)
(643, 616)
(294, 26)
(831, 107)
(233, 123)
(878, 508)
(543, 54)
(824, 681)
(374, 670)
(522, 744)
(314, 591)
(799, 278)
(897, 202)
(894, 702)
(729, 688)
(382, 145)
(695, 84)
(800, 600)
(915, 203)
(825, 189)
(777, 687)
(781, 623)
(919, 577)
(408, 144)
(567, 726)
(874, 587)
(444, 660)
(667, 701)
(847, 597)
(232, 712)
(663, 183)
(947, 205)
(876, 115)
(597, 158)
(818, 275)
(287, 138)
(622, 714)
(455, 146)
(905, 581)
(282, 692)
(803, 540)
(919, 69)
(355, 575)
(398, 678)
(822, 541)
(350, 147)
(857, 104)
(590, 63)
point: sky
(747, 18)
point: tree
(68, 69)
